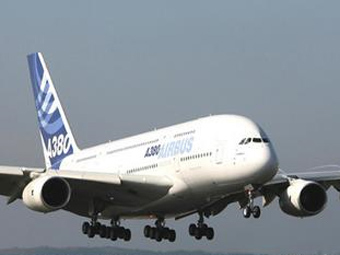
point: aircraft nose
(265, 162)
(270, 162)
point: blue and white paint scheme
(197, 167)
(57, 138)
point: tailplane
(57, 139)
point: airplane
(195, 168)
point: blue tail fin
(57, 139)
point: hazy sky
(125, 67)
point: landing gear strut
(251, 209)
(201, 229)
(160, 232)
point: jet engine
(303, 198)
(47, 194)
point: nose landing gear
(251, 209)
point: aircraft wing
(119, 190)
(111, 189)
(116, 186)
(327, 176)
(14, 179)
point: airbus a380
(198, 167)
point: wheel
(158, 235)
(153, 233)
(198, 234)
(256, 212)
(91, 232)
(97, 227)
(246, 212)
(127, 235)
(165, 233)
(113, 234)
(102, 231)
(209, 233)
(147, 230)
(120, 232)
(85, 227)
(172, 235)
(192, 229)
(108, 233)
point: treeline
(100, 251)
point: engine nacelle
(47, 194)
(303, 198)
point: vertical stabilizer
(57, 139)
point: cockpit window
(242, 141)
(254, 140)
(265, 140)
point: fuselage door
(177, 165)
(219, 153)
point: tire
(127, 235)
(85, 227)
(210, 233)
(120, 232)
(198, 234)
(102, 231)
(113, 234)
(256, 212)
(165, 233)
(172, 235)
(108, 232)
(158, 235)
(153, 233)
(147, 230)
(192, 229)
(91, 232)
(246, 212)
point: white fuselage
(206, 159)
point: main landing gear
(114, 232)
(250, 209)
(201, 229)
(160, 232)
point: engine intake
(47, 194)
(303, 198)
